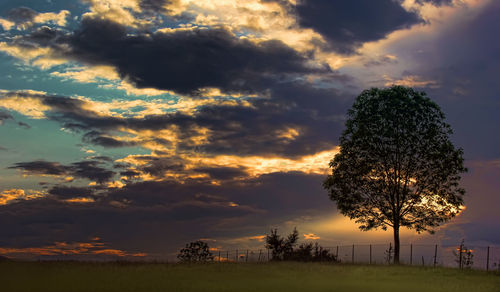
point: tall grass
(77, 276)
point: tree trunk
(396, 244)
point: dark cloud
(24, 125)
(462, 62)
(383, 60)
(349, 24)
(102, 158)
(97, 138)
(156, 166)
(43, 36)
(5, 116)
(222, 173)
(65, 192)
(89, 169)
(312, 114)
(155, 6)
(184, 61)
(21, 15)
(436, 2)
(170, 212)
(130, 173)
(188, 60)
(42, 167)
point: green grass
(74, 276)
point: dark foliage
(464, 256)
(283, 249)
(197, 251)
(312, 252)
(396, 166)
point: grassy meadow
(78, 276)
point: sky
(131, 127)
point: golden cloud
(81, 200)
(253, 166)
(57, 18)
(311, 236)
(411, 81)
(40, 18)
(43, 58)
(119, 11)
(69, 248)
(28, 106)
(6, 24)
(16, 195)
(257, 165)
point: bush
(283, 249)
(197, 251)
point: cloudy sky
(130, 127)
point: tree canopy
(197, 251)
(396, 166)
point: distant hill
(4, 259)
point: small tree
(281, 248)
(284, 248)
(396, 166)
(197, 251)
(464, 256)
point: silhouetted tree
(281, 248)
(396, 166)
(284, 248)
(197, 251)
(464, 256)
(309, 252)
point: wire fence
(477, 257)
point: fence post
(353, 253)
(267, 254)
(237, 256)
(423, 263)
(246, 259)
(411, 254)
(227, 255)
(260, 252)
(460, 256)
(435, 254)
(219, 256)
(337, 252)
(488, 259)
(370, 254)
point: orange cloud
(311, 236)
(16, 195)
(411, 81)
(82, 200)
(69, 248)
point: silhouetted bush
(283, 249)
(197, 251)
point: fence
(481, 257)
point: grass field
(73, 276)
